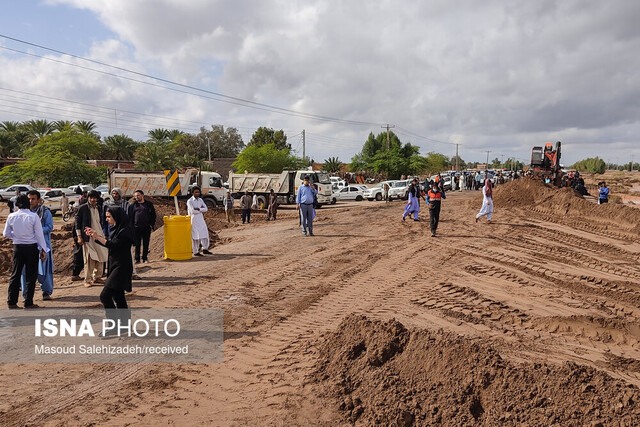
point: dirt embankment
(381, 373)
(562, 203)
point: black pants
(113, 298)
(434, 216)
(246, 214)
(24, 256)
(604, 201)
(78, 259)
(143, 234)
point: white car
(351, 192)
(53, 197)
(399, 189)
(84, 187)
(104, 191)
(377, 191)
(336, 181)
(9, 192)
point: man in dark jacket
(90, 215)
(143, 216)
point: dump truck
(154, 184)
(545, 163)
(284, 184)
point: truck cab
(212, 189)
(320, 180)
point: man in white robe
(199, 231)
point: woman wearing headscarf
(487, 201)
(120, 265)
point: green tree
(57, 160)
(332, 165)
(8, 147)
(222, 143)
(155, 156)
(19, 139)
(263, 136)
(62, 125)
(119, 147)
(266, 159)
(36, 129)
(592, 165)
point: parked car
(104, 191)
(84, 187)
(446, 181)
(53, 197)
(9, 192)
(377, 191)
(399, 190)
(340, 183)
(351, 192)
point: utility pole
(457, 159)
(486, 165)
(502, 161)
(388, 126)
(303, 146)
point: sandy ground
(537, 286)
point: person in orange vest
(434, 199)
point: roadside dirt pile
(382, 373)
(562, 202)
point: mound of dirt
(382, 373)
(564, 202)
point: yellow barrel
(177, 237)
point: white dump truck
(154, 184)
(285, 185)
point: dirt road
(535, 287)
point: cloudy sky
(498, 76)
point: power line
(227, 98)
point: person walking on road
(199, 231)
(385, 192)
(25, 229)
(272, 209)
(118, 200)
(45, 268)
(90, 216)
(304, 203)
(434, 200)
(487, 201)
(120, 266)
(227, 201)
(143, 216)
(413, 201)
(245, 205)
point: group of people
(109, 239)
(434, 195)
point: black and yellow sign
(173, 182)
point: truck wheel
(262, 201)
(378, 197)
(292, 199)
(210, 202)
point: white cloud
(493, 75)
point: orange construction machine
(545, 163)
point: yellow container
(177, 237)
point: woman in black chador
(120, 266)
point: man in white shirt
(25, 229)
(199, 231)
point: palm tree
(9, 126)
(120, 147)
(86, 127)
(35, 130)
(332, 165)
(164, 135)
(8, 147)
(62, 125)
(154, 156)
